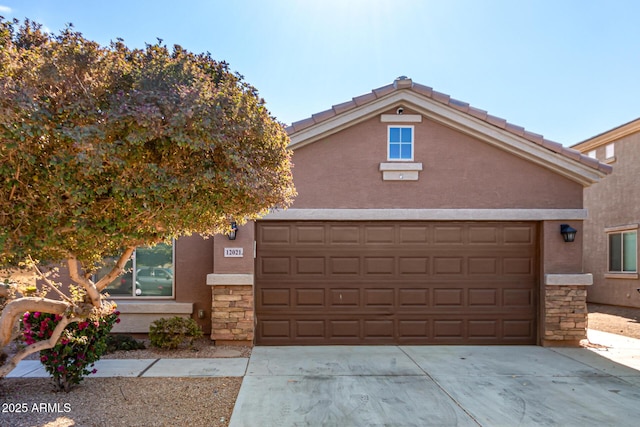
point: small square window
(610, 151)
(623, 256)
(592, 154)
(400, 143)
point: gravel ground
(127, 401)
(119, 402)
(615, 320)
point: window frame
(622, 273)
(134, 268)
(411, 143)
(610, 151)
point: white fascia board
(428, 214)
(344, 120)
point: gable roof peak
(403, 82)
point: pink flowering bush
(81, 344)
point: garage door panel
(379, 329)
(344, 235)
(310, 329)
(448, 329)
(448, 265)
(517, 297)
(518, 266)
(344, 328)
(483, 328)
(379, 298)
(448, 297)
(272, 234)
(344, 297)
(310, 235)
(483, 297)
(448, 235)
(522, 235)
(275, 297)
(413, 234)
(379, 235)
(379, 265)
(275, 266)
(483, 265)
(518, 328)
(403, 283)
(275, 329)
(310, 297)
(344, 265)
(310, 265)
(413, 297)
(413, 266)
(484, 235)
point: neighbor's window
(593, 154)
(400, 143)
(623, 257)
(149, 273)
(610, 151)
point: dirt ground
(616, 320)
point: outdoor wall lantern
(234, 231)
(568, 232)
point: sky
(566, 69)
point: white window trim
(621, 274)
(610, 151)
(413, 145)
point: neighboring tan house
(419, 220)
(611, 232)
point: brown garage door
(395, 283)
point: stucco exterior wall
(193, 261)
(615, 201)
(342, 171)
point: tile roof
(404, 83)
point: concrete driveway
(435, 386)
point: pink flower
(82, 325)
(43, 359)
(94, 371)
(36, 314)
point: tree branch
(18, 307)
(37, 346)
(88, 285)
(117, 270)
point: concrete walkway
(217, 367)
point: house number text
(233, 252)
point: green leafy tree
(106, 148)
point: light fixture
(234, 231)
(568, 232)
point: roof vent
(402, 82)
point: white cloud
(5, 9)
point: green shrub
(173, 332)
(124, 343)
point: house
(419, 220)
(611, 233)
